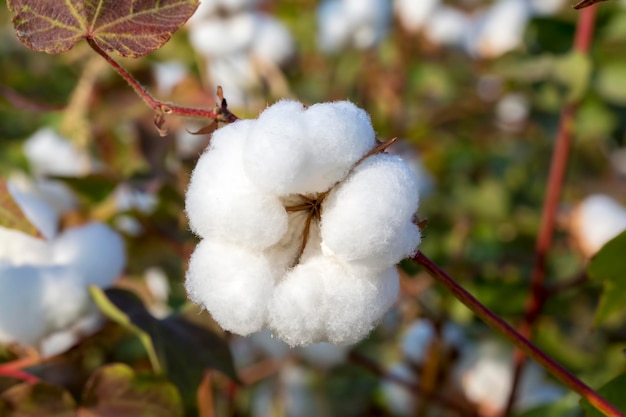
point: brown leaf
(586, 3)
(36, 400)
(11, 216)
(116, 391)
(131, 28)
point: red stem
(516, 338)
(558, 167)
(221, 113)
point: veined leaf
(613, 391)
(131, 28)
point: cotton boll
(37, 211)
(21, 310)
(275, 157)
(168, 75)
(370, 20)
(237, 76)
(595, 221)
(447, 26)
(19, 248)
(95, 250)
(500, 29)
(398, 398)
(233, 283)
(546, 7)
(68, 160)
(272, 41)
(38, 301)
(221, 200)
(219, 36)
(58, 343)
(334, 29)
(417, 340)
(339, 134)
(369, 217)
(414, 14)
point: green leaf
(11, 216)
(117, 391)
(130, 28)
(608, 267)
(573, 70)
(118, 316)
(613, 392)
(186, 350)
(36, 400)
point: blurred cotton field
(259, 268)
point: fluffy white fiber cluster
(43, 282)
(252, 270)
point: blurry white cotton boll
(417, 339)
(218, 35)
(596, 220)
(398, 398)
(447, 26)
(43, 283)
(168, 75)
(352, 23)
(50, 154)
(486, 374)
(414, 14)
(499, 29)
(272, 41)
(37, 211)
(301, 231)
(512, 111)
(546, 7)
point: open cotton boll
(414, 14)
(221, 200)
(21, 310)
(447, 26)
(371, 19)
(36, 301)
(369, 217)
(209, 38)
(334, 26)
(275, 157)
(234, 284)
(595, 221)
(18, 248)
(168, 75)
(339, 134)
(95, 250)
(68, 160)
(272, 41)
(417, 339)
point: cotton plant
(240, 46)
(302, 220)
(359, 24)
(44, 282)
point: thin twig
(499, 325)
(558, 167)
(220, 113)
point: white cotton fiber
(276, 154)
(301, 233)
(369, 218)
(37, 211)
(94, 250)
(21, 249)
(21, 310)
(234, 284)
(223, 203)
(36, 301)
(339, 134)
(598, 219)
(296, 312)
(50, 154)
(324, 299)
